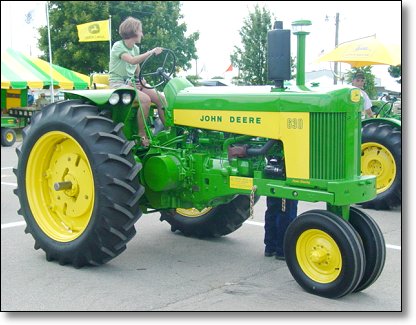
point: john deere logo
(94, 29)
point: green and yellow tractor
(15, 114)
(84, 180)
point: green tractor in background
(15, 114)
(381, 153)
(84, 179)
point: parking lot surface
(165, 271)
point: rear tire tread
(117, 196)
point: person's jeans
(276, 222)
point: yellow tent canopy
(19, 71)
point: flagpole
(50, 53)
(109, 33)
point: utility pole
(50, 52)
(336, 44)
(29, 20)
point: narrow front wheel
(374, 246)
(324, 254)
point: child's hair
(129, 27)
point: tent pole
(109, 33)
(50, 53)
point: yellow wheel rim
(60, 186)
(9, 137)
(377, 160)
(319, 256)
(192, 213)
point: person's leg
(285, 214)
(145, 104)
(270, 230)
(156, 98)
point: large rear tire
(381, 155)
(210, 222)
(324, 254)
(77, 184)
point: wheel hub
(319, 256)
(69, 167)
(375, 167)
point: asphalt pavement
(165, 271)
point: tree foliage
(369, 86)
(396, 72)
(251, 58)
(161, 27)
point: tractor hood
(183, 96)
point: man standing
(30, 97)
(279, 214)
(359, 81)
(41, 101)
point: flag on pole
(95, 31)
(230, 68)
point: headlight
(126, 98)
(114, 99)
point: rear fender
(391, 121)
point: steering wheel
(163, 72)
(382, 110)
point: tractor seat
(100, 81)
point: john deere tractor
(84, 179)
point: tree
(161, 27)
(396, 72)
(251, 59)
(369, 86)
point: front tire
(77, 184)
(381, 155)
(374, 246)
(324, 254)
(210, 222)
(8, 137)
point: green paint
(187, 167)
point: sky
(219, 23)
